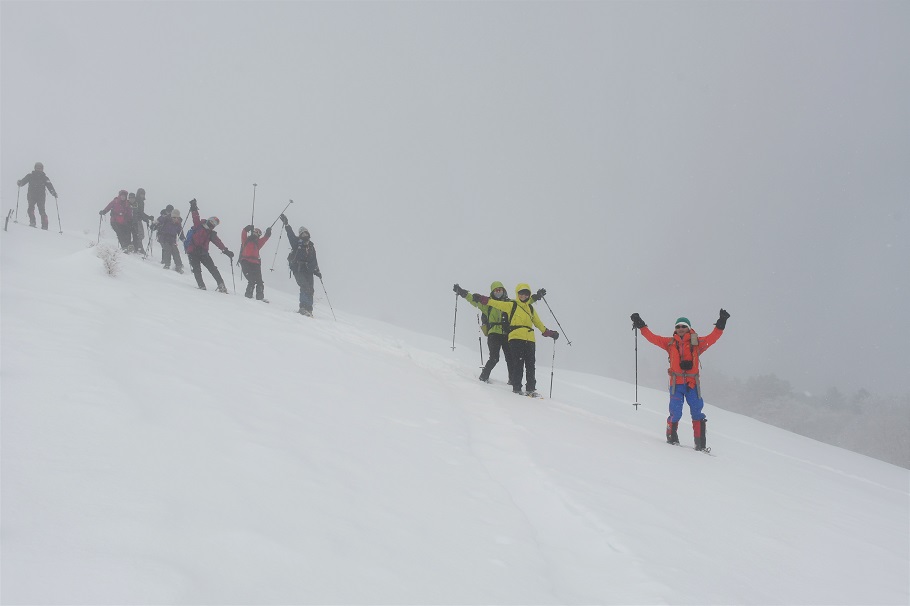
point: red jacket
(202, 237)
(121, 211)
(249, 249)
(681, 349)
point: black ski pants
(31, 212)
(495, 342)
(124, 234)
(524, 359)
(253, 274)
(197, 260)
(170, 250)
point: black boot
(672, 436)
(698, 428)
(249, 290)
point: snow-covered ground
(162, 445)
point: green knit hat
(683, 321)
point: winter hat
(169, 207)
(140, 193)
(303, 230)
(175, 214)
(39, 166)
(683, 321)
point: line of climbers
(128, 214)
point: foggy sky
(664, 158)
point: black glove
(229, 254)
(637, 322)
(19, 183)
(460, 291)
(722, 320)
(268, 232)
(100, 212)
(193, 205)
(318, 274)
(540, 294)
(248, 228)
(477, 297)
(551, 333)
(283, 218)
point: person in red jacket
(684, 349)
(196, 246)
(250, 262)
(121, 219)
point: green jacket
(493, 320)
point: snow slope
(162, 444)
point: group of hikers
(126, 212)
(509, 328)
(508, 324)
(128, 220)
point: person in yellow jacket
(522, 320)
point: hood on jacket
(496, 285)
(522, 287)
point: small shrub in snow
(110, 256)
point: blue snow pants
(682, 390)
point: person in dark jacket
(197, 247)
(139, 216)
(304, 265)
(250, 262)
(169, 229)
(38, 185)
(121, 219)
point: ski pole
(99, 231)
(233, 280)
(636, 370)
(18, 191)
(557, 320)
(253, 216)
(57, 203)
(149, 245)
(480, 341)
(455, 323)
(277, 246)
(327, 300)
(6, 222)
(282, 212)
(552, 365)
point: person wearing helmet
(522, 320)
(121, 219)
(38, 185)
(495, 326)
(197, 247)
(684, 349)
(170, 227)
(303, 264)
(250, 262)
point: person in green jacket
(523, 319)
(495, 325)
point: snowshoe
(533, 394)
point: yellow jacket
(524, 318)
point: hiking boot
(672, 436)
(167, 266)
(222, 288)
(201, 287)
(32, 225)
(179, 269)
(698, 429)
